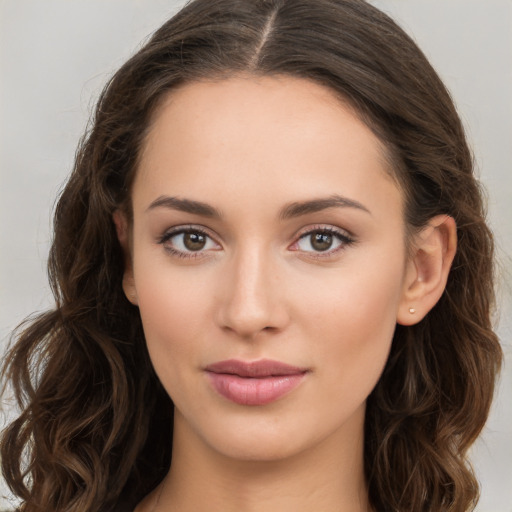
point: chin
(273, 434)
(264, 447)
(264, 434)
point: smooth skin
(267, 225)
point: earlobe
(427, 269)
(123, 235)
(129, 288)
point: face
(268, 263)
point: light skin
(266, 225)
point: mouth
(256, 382)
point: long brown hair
(96, 425)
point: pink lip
(254, 383)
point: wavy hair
(95, 424)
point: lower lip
(254, 391)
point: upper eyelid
(168, 234)
(165, 237)
(176, 230)
(344, 236)
(324, 227)
(305, 231)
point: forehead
(254, 101)
(259, 134)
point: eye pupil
(321, 241)
(194, 241)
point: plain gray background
(55, 56)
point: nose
(252, 298)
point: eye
(322, 240)
(188, 242)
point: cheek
(174, 311)
(353, 319)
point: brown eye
(321, 241)
(194, 241)
(188, 242)
(326, 241)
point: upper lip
(261, 368)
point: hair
(95, 425)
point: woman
(272, 254)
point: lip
(255, 382)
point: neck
(327, 477)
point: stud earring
(412, 311)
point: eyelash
(342, 236)
(183, 230)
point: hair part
(95, 417)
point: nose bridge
(252, 296)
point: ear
(123, 235)
(427, 269)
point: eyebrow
(316, 205)
(185, 205)
(290, 211)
